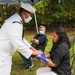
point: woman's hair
(62, 36)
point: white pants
(5, 67)
(45, 71)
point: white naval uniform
(10, 41)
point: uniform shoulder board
(17, 22)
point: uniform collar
(19, 18)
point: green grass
(18, 63)
(72, 52)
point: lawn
(18, 66)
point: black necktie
(23, 34)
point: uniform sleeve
(15, 37)
(26, 43)
(58, 54)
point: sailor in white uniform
(11, 38)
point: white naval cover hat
(28, 7)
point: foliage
(49, 12)
(53, 12)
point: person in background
(59, 55)
(11, 38)
(39, 42)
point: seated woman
(59, 54)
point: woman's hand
(48, 55)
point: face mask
(28, 19)
(41, 32)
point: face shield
(36, 22)
(29, 8)
(28, 19)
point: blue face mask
(41, 32)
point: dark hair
(62, 36)
(23, 10)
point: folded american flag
(42, 58)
